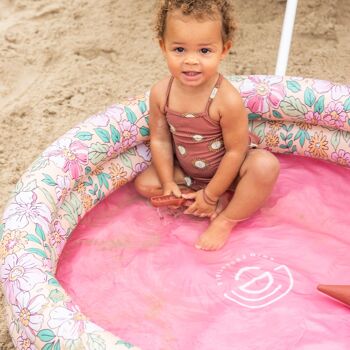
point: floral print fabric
(290, 115)
(294, 115)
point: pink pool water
(140, 277)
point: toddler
(199, 124)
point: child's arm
(234, 124)
(161, 145)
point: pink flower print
(57, 236)
(12, 242)
(62, 188)
(21, 274)
(128, 132)
(27, 311)
(335, 115)
(312, 118)
(24, 343)
(68, 155)
(337, 90)
(341, 157)
(144, 151)
(25, 209)
(112, 150)
(70, 322)
(139, 167)
(262, 93)
(104, 118)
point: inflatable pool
(73, 177)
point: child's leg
(257, 177)
(148, 185)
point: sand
(63, 60)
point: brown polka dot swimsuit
(197, 140)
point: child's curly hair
(200, 9)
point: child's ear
(226, 49)
(162, 45)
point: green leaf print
(49, 180)
(36, 251)
(39, 163)
(347, 105)
(75, 203)
(302, 135)
(96, 342)
(49, 197)
(67, 208)
(40, 232)
(74, 344)
(126, 344)
(73, 207)
(293, 86)
(309, 97)
(53, 282)
(30, 186)
(142, 106)
(103, 135)
(287, 128)
(115, 134)
(293, 106)
(131, 115)
(56, 296)
(126, 160)
(103, 180)
(47, 347)
(277, 114)
(131, 151)
(97, 153)
(253, 116)
(46, 335)
(87, 170)
(144, 131)
(84, 136)
(345, 135)
(259, 130)
(34, 239)
(57, 346)
(335, 139)
(70, 219)
(319, 105)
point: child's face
(193, 48)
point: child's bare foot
(216, 234)
(222, 204)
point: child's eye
(205, 50)
(179, 49)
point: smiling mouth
(191, 73)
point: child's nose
(191, 59)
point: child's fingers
(191, 209)
(213, 216)
(190, 195)
(177, 191)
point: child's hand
(199, 207)
(171, 188)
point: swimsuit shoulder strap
(214, 92)
(168, 92)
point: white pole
(286, 37)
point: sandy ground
(62, 60)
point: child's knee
(266, 167)
(144, 186)
(141, 185)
